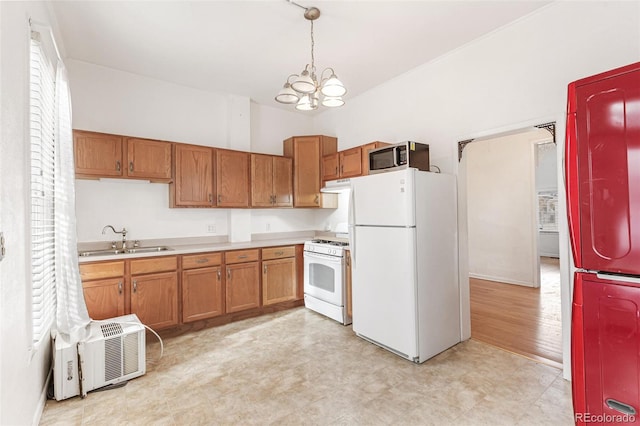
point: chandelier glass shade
(304, 89)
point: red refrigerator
(602, 165)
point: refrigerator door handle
(620, 278)
(351, 214)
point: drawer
(154, 264)
(278, 252)
(201, 260)
(96, 271)
(240, 256)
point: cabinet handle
(130, 166)
(135, 286)
(273, 199)
(265, 269)
(219, 274)
(279, 253)
(118, 165)
(342, 169)
(316, 200)
(211, 198)
(228, 273)
(244, 256)
(120, 287)
(219, 198)
(200, 261)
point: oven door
(323, 277)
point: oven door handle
(333, 259)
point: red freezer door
(607, 124)
(611, 333)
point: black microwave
(399, 156)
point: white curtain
(72, 317)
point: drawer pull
(621, 407)
(279, 253)
(204, 260)
(244, 256)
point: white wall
(112, 101)
(501, 208)
(513, 77)
(23, 371)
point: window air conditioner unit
(113, 352)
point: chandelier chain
(313, 66)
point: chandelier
(304, 89)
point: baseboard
(500, 279)
(37, 416)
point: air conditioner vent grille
(131, 353)
(111, 329)
(112, 358)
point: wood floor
(520, 319)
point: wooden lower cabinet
(242, 286)
(104, 298)
(202, 286)
(154, 299)
(279, 275)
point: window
(42, 133)
(548, 211)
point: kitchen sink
(110, 252)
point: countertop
(202, 245)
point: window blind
(42, 135)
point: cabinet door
(330, 167)
(242, 287)
(148, 159)
(193, 181)
(351, 162)
(232, 177)
(202, 294)
(97, 154)
(279, 282)
(261, 180)
(154, 299)
(283, 181)
(104, 298)
(306, 173)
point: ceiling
(249, 48)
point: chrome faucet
(123, 232)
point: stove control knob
(333, 251)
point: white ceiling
(250, 47)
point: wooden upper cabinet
(351, 162)
(232, 178)
(365, 154)
(97, 154)
(148, 159)
(192, 184)
(331, 167)
(271, 181)
(307, 153)
(283, 181)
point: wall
(501, 208)
(23, 370)
(513, 77)
(107, 100)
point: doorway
(514, 277)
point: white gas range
(324, 278)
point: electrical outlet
(211, 228)
(268, 227)
(2, 249)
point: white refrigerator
(403, 237)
